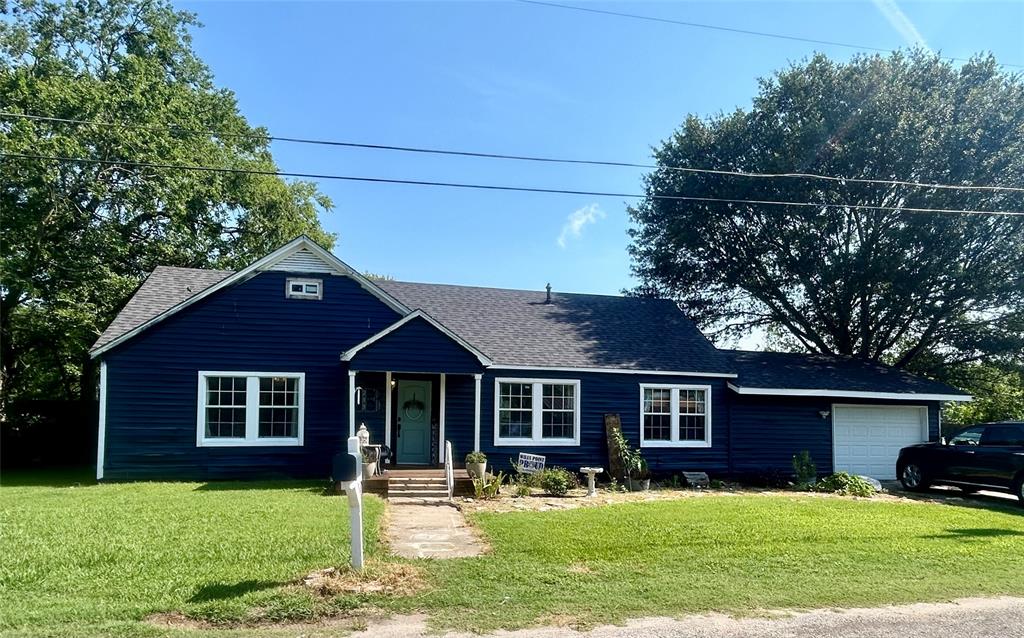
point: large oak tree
(77, 238)
(921, 290)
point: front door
(413, 422)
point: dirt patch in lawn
(392, 579)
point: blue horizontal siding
(612, 393)
(768, 430)
(416, 346)
(152, 379)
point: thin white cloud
(899, 21)
(577, 221)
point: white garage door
(867, 438)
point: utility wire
(495, 187)
(715, 27)
(504, 156)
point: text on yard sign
(531, 463)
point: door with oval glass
(413, 422)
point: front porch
(413, 414)
(417, 483)
(415, 386)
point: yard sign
(531, 463)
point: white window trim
(537, 395)
(252, 411)
(674, 430)
(290, 281)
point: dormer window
(304, 289)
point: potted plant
(476, 464)
(369, 462)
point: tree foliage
(79, 237)
(908, 288)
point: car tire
(913, 478)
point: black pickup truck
(989, 456)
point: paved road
(967, 618)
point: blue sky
(524, 79)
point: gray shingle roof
(827, 372)
(516, 327)
(165, 288)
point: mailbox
(346, 467)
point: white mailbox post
(348, 472)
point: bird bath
(591, 473)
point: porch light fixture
(824, 414)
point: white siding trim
(351, 403)
(418, 313)
(477, 378)
(850, 394)
(303, 260)
(387, 409)
(252, 411)
(101, 440)
(536, 403)
(667, 373)
(262, 264)
(440, 426)
(674, 419)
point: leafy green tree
(998, 395)
(887, 285)
(77, 237)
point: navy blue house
(264, 372)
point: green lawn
(95, 560)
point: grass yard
(96, 560)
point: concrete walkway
(424, 528)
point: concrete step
(433, 494)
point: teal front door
(413, 422)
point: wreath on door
(413, 408)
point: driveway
(966, 618)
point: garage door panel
(867, 439)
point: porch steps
(419, 487)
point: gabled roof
(516, 328)
(800, 374)
(163, 289)
(417, 314)
(144, 309)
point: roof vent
(548, 288)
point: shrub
(489, 486)
(522, 489)
(804, 469)
(476, 457)
(845, 484)
(557, 481)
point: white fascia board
(668, 373)
(417, 314)
(849, 394)
(249, 271)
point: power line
(715, 27)
(497, 187)
(524, 158)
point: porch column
(440, 436)
(387, 409)
(476, 411)
(351, 402)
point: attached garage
(866, 439)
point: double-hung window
(675, 415)
(536, 412)
(250, 408)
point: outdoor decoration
(591, 473)
(476, 464)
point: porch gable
(416, 343)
